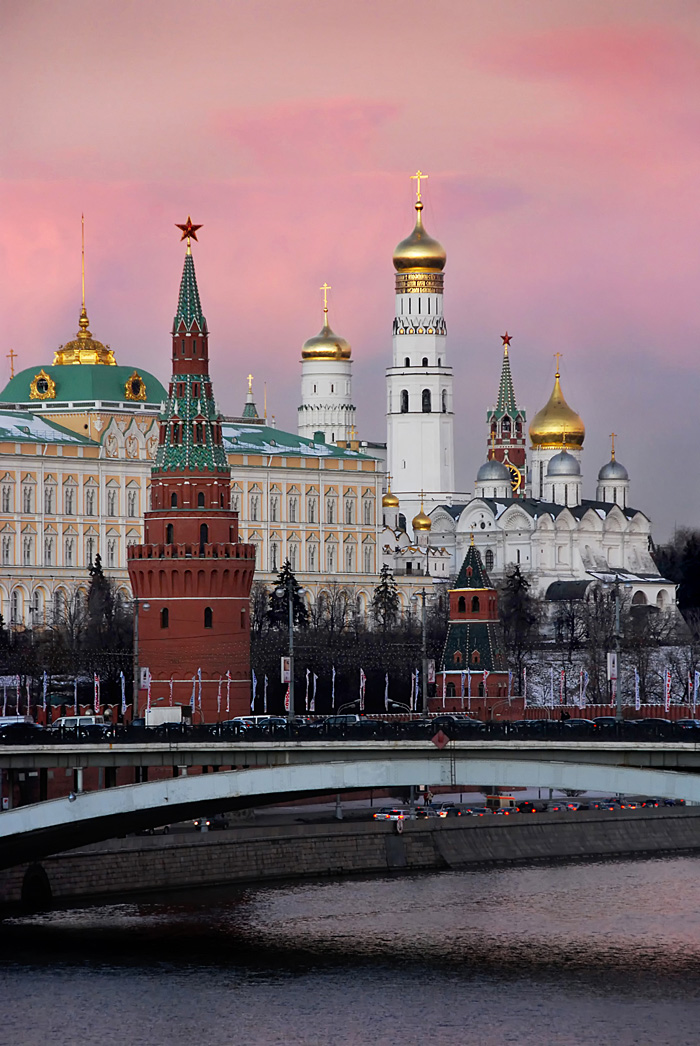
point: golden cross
(250, 383)
(352, 432)
(325, 290)
(416, 178)
(12, 356)
(558, 356)
(612, 437)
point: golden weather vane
(12, 356)
(417, 178)
(189, 232)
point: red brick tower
(507, 427)
(191, 576)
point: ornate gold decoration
(326, 345)
(43, 387)
(515, 475)
(557, 425)
(84, 349)
(421, 522)
(12, 356)
(419, 283)
(135, 388)
(419, 252)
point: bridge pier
(43, 785)
(140, 774)
(179, 771)
(77, 779)
(110, 776)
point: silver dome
(563, 464)
(493, 471)
(613, 470)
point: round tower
(191, 577)
(420, 446)
(326, 385)
(613, 481)
(562, 484)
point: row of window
(424, 362)
(70, 500)
(315, 561)
(426, 401)
(51, 547)
(312, 509)
(208, 617)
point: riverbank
(139, 866)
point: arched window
(407, 362)
(476, 606)
(173, 500)
(208, 617)
(457, 657)
(444, 401)
(200, 499)
(404, 401)
(203, 534)
(425, 401)
(461, 605)
(164, 618)
(489, 559)
(505, 426)
(476, 657)
(169, 534)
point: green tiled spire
(473, 573)
(195, 445)
(189, 307)
(506, 394)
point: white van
(72, 722)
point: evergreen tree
(385, 601)
(520, 614)
(278, 610)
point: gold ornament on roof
(421, 522)
(557, 425)
(135, 388)
(43, 387)
(326, 345)
(84, 349)
(419, 252)
(389, 500)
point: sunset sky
(562, 140)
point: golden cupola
(421, 523)
(557, 425)
(419, 252)
(326, 345)
(84, 348)
(389, 500)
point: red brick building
(192, 576)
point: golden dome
(390, 500)
(557, 425)
(419, 252)
(326, 346)
(421, 521)
(84, 348)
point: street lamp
(424, 651)
(135, 700)
(617, 637)
(279, 592)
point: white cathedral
(527, 507)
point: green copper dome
(87, 382)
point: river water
(597, 953)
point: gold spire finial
(493, 443)
(612, 437)
(189, 232)
(12, 356)
(325, 288)
(472, 538)
(417, 179)
(83, 322)
(558, 356)
(250, 383)
(82, 252)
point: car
(217, 823)
(529, 806)
(579, 726)
(563, 806)
(392, 813)
(425, 812)
(506, 811)
(23, 733)
(652, 803)
(688, 725)
(441, 809)
(476, 811)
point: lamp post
(618, 689)
(135, 699)
(424, 651)
(279, 592)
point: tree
(520, 614)
(679, 561)
(259, 600)
(385, 601)
(278, 609)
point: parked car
(21, 733)
(477, 811)
(392, 813)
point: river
(596, 953)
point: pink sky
(563, 146)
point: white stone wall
(326, 400)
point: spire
(506, 393)
(473, 573)
(189, 307)
(250, 410)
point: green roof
(468, 636)
(473, 573)
(261, 439)
(189, 307)
(76, 382)
(21, 427)
(506, 403)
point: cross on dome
(417, 178)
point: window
(90, 549)
(476, 657)
(37, 607)
(274, 508)
(311, 509)
(131, 503)
(404, 401)
(476, 605)
(425, 401)
(69, 550)
(112, 552)
(489, 559)
(15, 608)
(349, 558)
(457, 657)
(292, 510)
(27, 551)
(332, 388)
(450, 690)
(195, 387)
(349, 510)
(48, 500)
(6, 550)
(254, 507)
(48, 552)
(330, 558)
(242, 619)
(27, 499)
(69, 501)
(200, 499)
(407, 362)
(274, 555)
(462, 605)
(367, 559)
(164, 618)
(111, 502)
(169, 534)
(444, 401)
(6, 499)
(90, 502)
(208, 617)
(425, 361)
(330, 510)
(203, 535)
(293, 556)
(199, 432)
(235, 502)
(367, 512)
(312, 557)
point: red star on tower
(189, 231)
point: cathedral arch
(425, 361)
(444, 401)
(476, 605)
(426, 401)
(404, 401)
(208, 617)
(461, 605)
(639, 599)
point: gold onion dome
(84, 348)
(326, 345)
(421, 522)
(419, 252)
(389, 500)
(557, 425)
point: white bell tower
(326, 385)
(420, 443)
